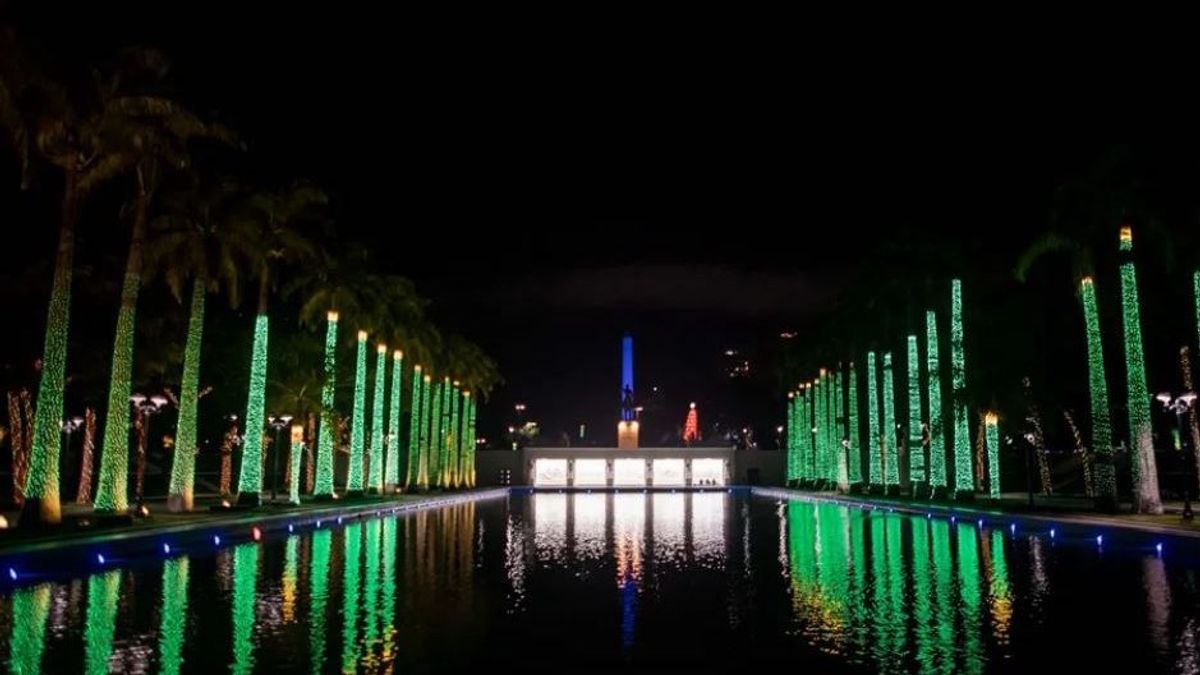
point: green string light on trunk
(323, 486)
(354, 473)
(1102, 439)
(452, 438)
(413, 473)
(937, 424)
(250, 478)
(855, 449)
(992, 434)
(375, 468)
(183, 467)
(435, 435)
(891, 463)
(1141, 442)
(916, 453)
(395, 438)
(874, 467)
(963, 482)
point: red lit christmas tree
(691, 428)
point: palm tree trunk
(310, 444)
(250, 478)
(16, 440)
(1104, 480)
(354, 472)
(1141, 443)
(87, 455)
(327, 431)
(183, 468)
(42, 504)
(112, 493)
(413, 468)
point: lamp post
(1180, 405)
(144, 408)
(69, 426)
(278, 423)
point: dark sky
(549, 193)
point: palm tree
(193, 241)
(334, 287)
(1081, 261)
(275, 238)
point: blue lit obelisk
(627, 428)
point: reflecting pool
(570, 582)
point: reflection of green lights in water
(896, 612)
(291, 565)
(30, 607)
(943, 610)
(968, 586)
(389, 589)
(318, 597)
(174, 615)
(1001, 600)
(922, 609)
(245, 573)
(879, 584)
(371, 627)
(103, 590)
(350, 595)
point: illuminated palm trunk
(916, 451)
(453, 437)
(41, 489)
(395, 438)
(874, 449)
(436, 440)
(413, 470)
(183, 468)
(843, 469)
(819, 426)
(791, 438)
(958, 371)
(470, 446)
(1141, 443)
(297, 444)
(354, 473)
(804, 431)
(328, 426)
(1105, 480)
(855, 448)
(992, 434)
(375, 468)
(112, 492)
(250, 477)
(425, 430)
(443, 438)
(891, 462)
(937, 425)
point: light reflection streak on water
(550, 526)
(103, 590)
(669, 542)
(999, 591)
(590, 513)
(708, 527)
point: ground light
(323, 486)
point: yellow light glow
(417, 367)
(466, 394)
(1086, 281)
(297, 433)
(362, 336)
(332, 316)
(822, 372)
(456, 383)
(791, 394)
(428, 379)
(1126, 233)
(397, 354)
(381, 349)
(991, 418)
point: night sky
(548, 194)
